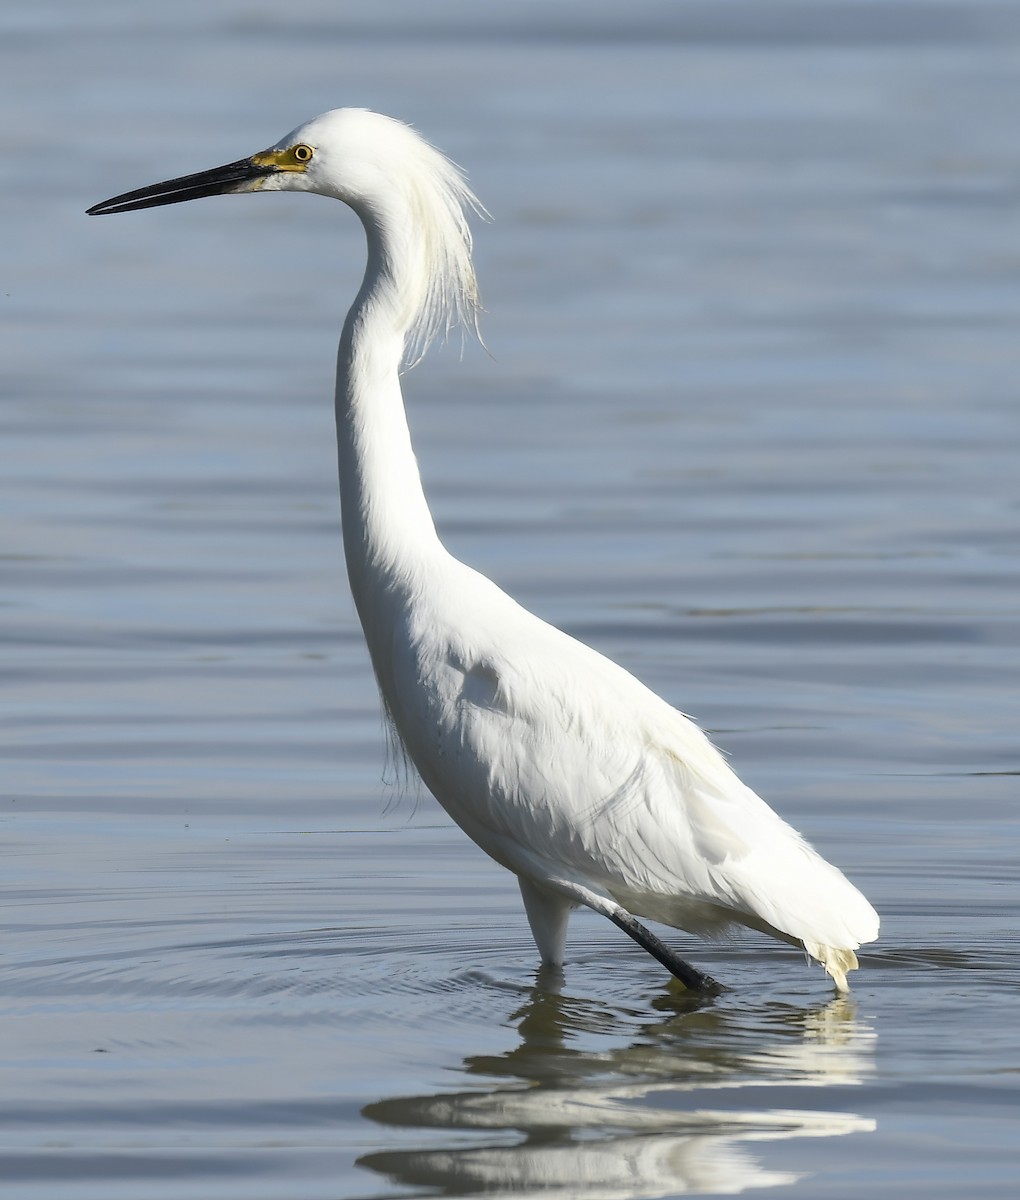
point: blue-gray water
(749, 425)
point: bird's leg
(547, 915)
(690, 977)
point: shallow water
(748, 426)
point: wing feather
(562, 765)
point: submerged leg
(547, 915)
(689, 976)
(548, 910)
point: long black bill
(187, 187)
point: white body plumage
(556, 761)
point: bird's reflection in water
(599, 1102)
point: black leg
(689, 976)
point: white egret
(556, 761)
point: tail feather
(836, 961)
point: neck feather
(418, 282)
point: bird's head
(402, 188)
(345, 153)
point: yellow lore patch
(294, 158)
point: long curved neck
(387, 527)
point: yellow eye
(302, 153)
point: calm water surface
(748, 426)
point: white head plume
(396, 181)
